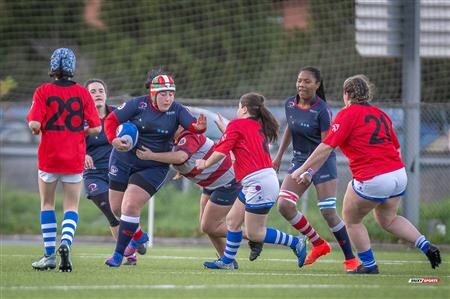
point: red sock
(301, 224)
(138, 233)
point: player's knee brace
(289, 196)
(102, 202)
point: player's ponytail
(320, 92)
(256, 108)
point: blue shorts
(326, 173)
(95, 182)
(225, 195)
(121, 174)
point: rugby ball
(130, 133)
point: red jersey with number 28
(246, 139)
(62, 108)
(364, 134)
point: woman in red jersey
(365, 135)
(248, 138)
(59, 111)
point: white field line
(212, 286)
(173, 257)
(240, 272)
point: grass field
(177, 272)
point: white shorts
(260, 189)
(49, 177)
(383, 186)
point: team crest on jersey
(335, 127)
(291, 104)
(182, 141)
(142, 105)
(121, 106)
(92, 187)
(113, 170)
(170, 112)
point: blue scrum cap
(63, 59)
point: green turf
(177, 272)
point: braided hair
(359, 89)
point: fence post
(411, 99)
(151, 216)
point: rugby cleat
(65, 264)
(364, 270)
(45, 263)
(115, 260)
(219, 264)
(351, 265)
(130, 260)
(318, 251)
(300, 252)
(139, 245)
(255, 249)
(434, 256)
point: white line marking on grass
(173, 257)
(205, 286)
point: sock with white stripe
(275, 236)
(69, 226)
(127, 227)
(233, 242)
(367, 258)
(49, 227)
(300, 223)
(423, 244)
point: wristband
(310, 171)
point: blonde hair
(359, 88)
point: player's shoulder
(290, 102)
(187, 137)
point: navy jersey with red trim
(99, 148)
(62, 108)
(246, 139)
(307, 124)
(156, 128)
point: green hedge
(176, 215)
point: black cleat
(65, 265)
(434, 256)
(255, 249)
(363, 270)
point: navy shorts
(225, 195)
(121, 174)
(326, 173)
(95, 183)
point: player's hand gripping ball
(129, 133)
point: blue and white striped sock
(48, 227)
(423, 244)
(367, 258)
(274, 236)
(69, 226)
(233, 242)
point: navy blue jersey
(156, 129)
(306, 125)
(99, 148)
